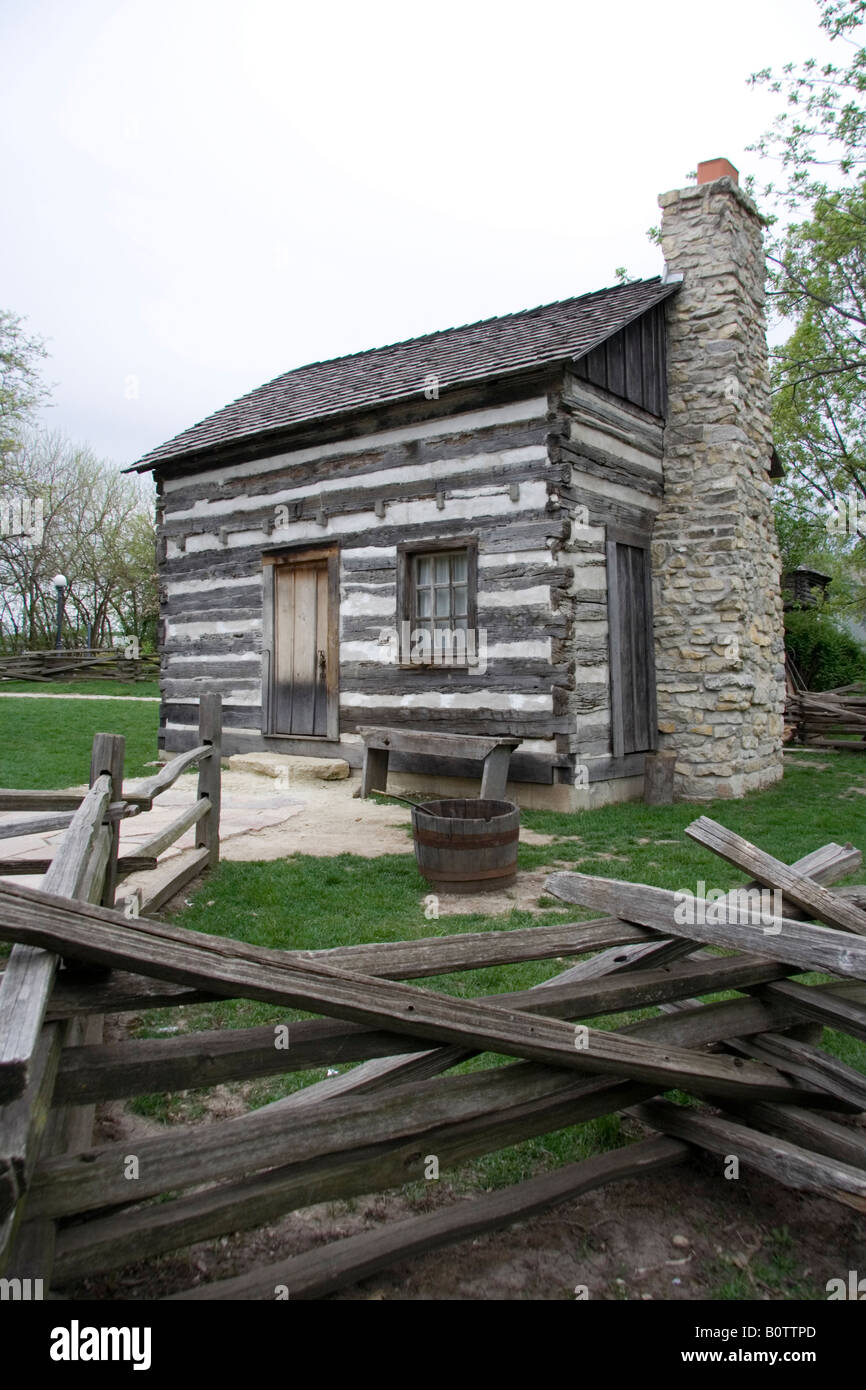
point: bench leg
(374, 775)
(494, 778)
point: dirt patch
(522, 896)
(687, 1234)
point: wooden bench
(379, 743)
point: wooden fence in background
(81, 663)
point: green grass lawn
(82, 687)
(309, 903)
(45, 744)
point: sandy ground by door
(261, 821)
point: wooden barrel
(466, 845)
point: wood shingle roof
(559, 332)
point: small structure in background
(804, 587)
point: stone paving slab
(244, 810)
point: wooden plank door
(632, 660)
(303, 686)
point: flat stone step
(288, 768)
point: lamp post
(60, 584)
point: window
(436, 596)
(440, 586)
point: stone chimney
(718, 610)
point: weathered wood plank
(825, 865)
(36, 825)
(811, 1130)
(28, 977)
(106, 759)
(419, 741)
(808, 1065)
(77, 994)
(13, 800)
(187, 1061)
(116, 1239)
(126, 864)
(209, 775)
(22, 1123)
(104, 1243)
(64, 1186)
(779, 938)
(799, 889)
(197, 959)
(778, 1158)
(84, 865)
(825, 1005)
(191, 815)
(441, 955)
(193, 865)
(323, 1270)
(142, 793)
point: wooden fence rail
(368, 1129)
(83, 663)
(85, 868)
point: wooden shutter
(632, 658)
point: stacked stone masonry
(718, 611)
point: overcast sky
(199, 195)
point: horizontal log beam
(105, 937)
(262, 1138)
(778, 938)
(325, 1269)
(777, 1158)
(118, 1070)
(144, 792)
(797, 888)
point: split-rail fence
(767, 1090)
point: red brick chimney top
(712, 169)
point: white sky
(202, 194)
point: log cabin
(554, 526)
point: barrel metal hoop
(440, 876)
(437, 840)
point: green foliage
(818, 280)
(801, 526)
(824, 125)
(97, 529)
(817, 262)
(825, 654)
(21, 386)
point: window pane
(460, 564)
(424, 569)
(443, 603)
(424, 607)
(442, 569)
(461, 600)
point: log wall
(513, 475)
